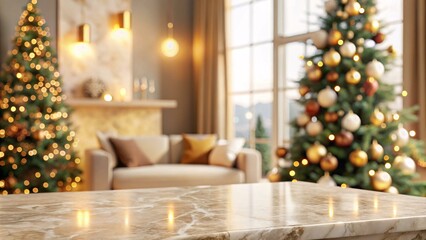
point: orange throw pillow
(196, 150)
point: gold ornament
(38, 135)
(392, 190)
(303, 90)
(352, 7)
(381, 180)
(360, 41)
(332, 58)
(327, 97)
(358, 158)
(314, 128)
(372, 26)
(372, 10)
(302, 120)
(400, 137)
(377, 118)
(376, 151)
(333, 37)
(329, 163)
(405, 164)
(353, 77)
(274, 175)
(315, 153)
(350, 34)
(314, 74)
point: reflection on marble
(244, 211)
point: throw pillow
(196, 150)
(129, 153)
(225, 154)
(103, 139)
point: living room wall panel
(108, 57)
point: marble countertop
(245, 211)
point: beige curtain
(210, 66)
(415, 60)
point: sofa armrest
(100, 169)
(250, 162)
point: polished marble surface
(245, 211)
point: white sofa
(165, 152)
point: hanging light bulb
(170, 46)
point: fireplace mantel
(148, 103)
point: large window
(266, 42)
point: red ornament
(370, 86)
(331, 117)
(379, 38)
(332, 76)
(312, 108)
(344, 139)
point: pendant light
(124, 20)
(170, 46)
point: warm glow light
(170, 47)
(330, 208)
(331, 137)
(304, 162)
(292, 173)
(81, 49)
(108, 97)
(371, 172)
(356, 58)
(404, 93)
(296, 163)
(337, 88)
(320, 64)
(309, 63)
(361, 10)
(84, 33)
(171, 217)
(123, 94)
(386, 158)
(412, 133)
(343, 185)
(388, 165)
(396, 148)
(340, 42)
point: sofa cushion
(196, 150)
(103, 139)
(175, 175)
(225, 152)
(128, 152)
(156, 148)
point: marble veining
(244, 211)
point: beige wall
(173, 76)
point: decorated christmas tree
(348, 134)
(36, 142)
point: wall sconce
(124, 20)
(84, 33)
(170, 46)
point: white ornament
(327, 180)
(327, 97)
(368, 43)
(302, 120)
(330, 6)
(406, 164)
(400, 137)
(392, 190)
(314, 128)
(320, 39)
(375, 69)
(348, 49)
(351, 122)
